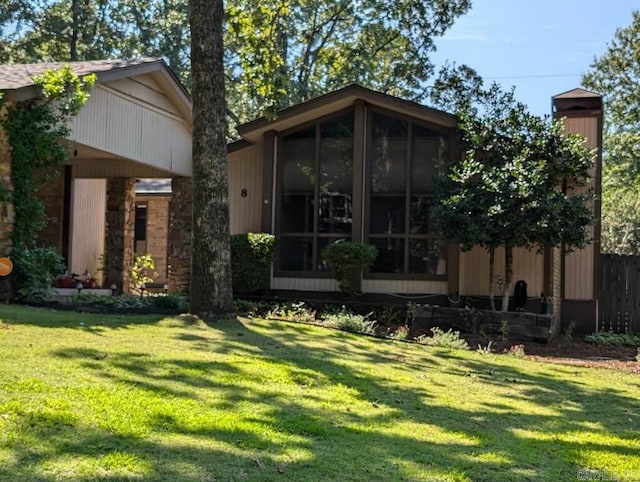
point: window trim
(277, 271)
(448, 134)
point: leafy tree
(210, 290)
(506, 191)
(278, 52)
(616, 75)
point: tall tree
(616, 75)
(210, 289)
(506, 191)
(278, 52)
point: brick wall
(157, 231)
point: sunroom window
(315, 192)
(403, 158)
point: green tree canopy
(507, 190)
(277, 53)
(616, 75)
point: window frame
(407, 237)
(315, 235)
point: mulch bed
(572, 352)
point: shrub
(517, 351)
(444, 339)
(347, 259)
(610, 338)
(343, 319)
(251, 256)
(292, 311)
(401, 333)
(173, 301)
(142, 271)
(35, 270)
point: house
(358, 165)
(136, 124)
(353, 164)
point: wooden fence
(620, 294)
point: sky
(542, 47)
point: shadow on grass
(288, 439)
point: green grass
(93, 397)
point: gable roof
(578, 92)
(336, 100)
(17, 80)
(578, 99)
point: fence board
(620, 294)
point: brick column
(179, 239)
(119, 232)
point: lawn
(95, 397)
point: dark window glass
(336, 176)
(428, 256)
(296, 254)
(403, 159)
(316, 191)
(390, 255)
(140, 227)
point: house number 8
(243, 193)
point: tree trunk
(508, 276)
(75, 27)
(492, 279)
(210, 291)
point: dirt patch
(570, 352)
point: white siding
(88, 205)
(135, 130)
(304, 284)
(404, 286)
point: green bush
(173, 301)
(444, 339)
(610, 338)
(347, 260)
(34, 271)
(251, 256)
(345, 320)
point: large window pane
(428, 256)
(420, 215)
(388, 154)
(387, 214)
(336, 175)
(390, 255)
(296, 254)
(428, 156)
(298, 181)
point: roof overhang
(340, 99)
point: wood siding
(88, 206)
(580, 264)
(245, 175)
(620, 302)
(474, 271)
(404, 286)
(304, 284)
(118, 123)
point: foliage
(277, 53)
(611, 338)
(142, 271)
(36, 130)
(292, 311)
(344, 319)
(401, 333)
(505, 190)
(443, 339)
(517, 351)
(35, 269)
(616, 75)
(174, 301)
(251, 256)
(347, 260)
